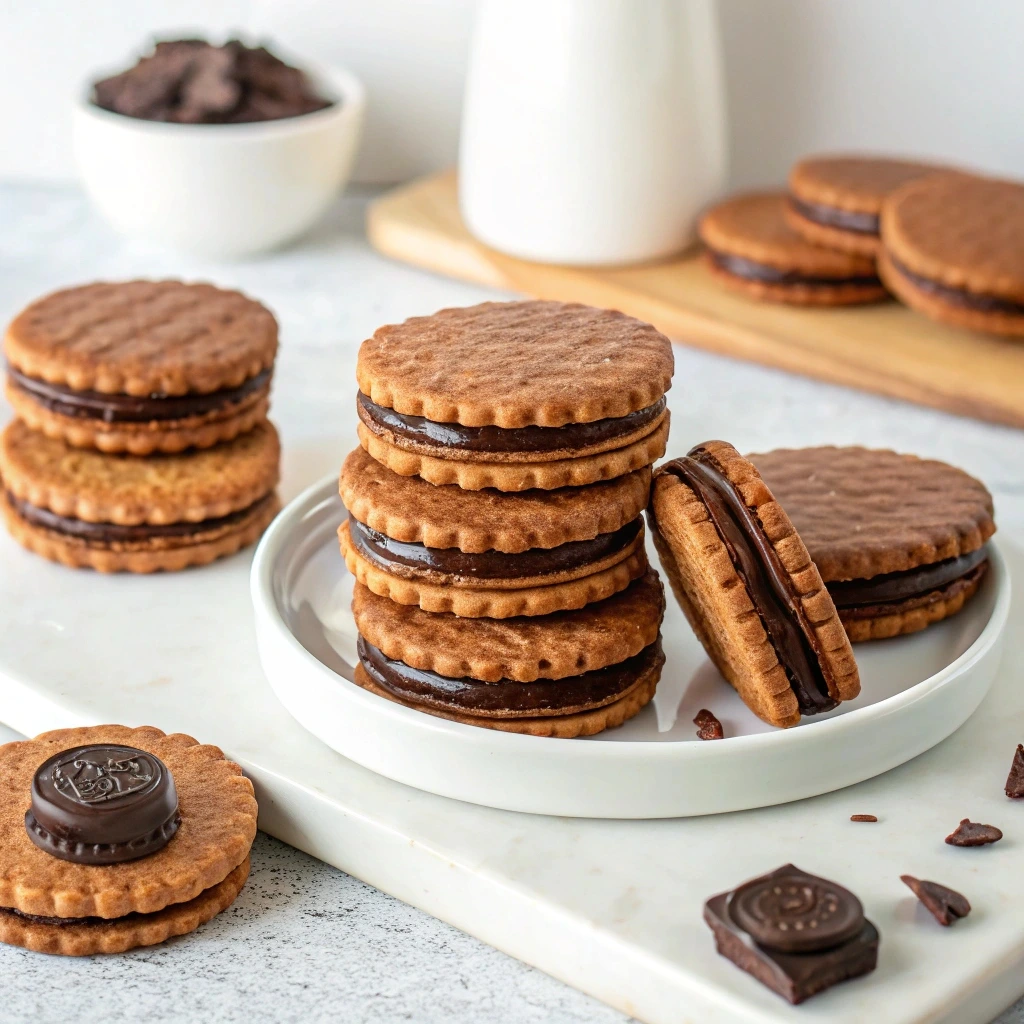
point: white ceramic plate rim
(261, 587)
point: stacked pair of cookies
(495, 523)
(142, 441)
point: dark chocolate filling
(379, 418)
(738, 266)
(834, 217)
(507, 697)
(764, 576)
(387, 553)
(959, 296)
(107, 533)
(118, 408)
(899, 586)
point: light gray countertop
(305, 942)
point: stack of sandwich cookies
(748, 586)
(116, 838)
(900, 542)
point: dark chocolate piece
(117, 408)
(959, 296)
(834, 217)
(111, 533)
(794, 932)
(102, 804)
(1015, 780)
(411, 559)
(749, 270)
(973, 833)
(945, 905)
(507, 697)
(863, 817)
(764, 576)
(417, 429)
(708, 727)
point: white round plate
(916, 691)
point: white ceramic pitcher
(593, 131)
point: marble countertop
(305, 942)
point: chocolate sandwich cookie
(114, 513)
(951, 249)
(567, 674)
(748, 586)
(899, 541)
(479, 553)
(141, 366)
(751, 248)
(515, 395)
(116, 838)
(836, 201)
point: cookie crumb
(973, 833)
(945, 905)
(708, 727)
(863, 817)
(1015, 780)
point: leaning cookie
(141, 366)
(117, 838)
(748, 586)
(515, 395)
(900, 542)
(567, 674)
(114, 513)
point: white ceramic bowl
(220, 191)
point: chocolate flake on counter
(945, 905)
(708, 727)
(973, 833)
(863, 817)
(1015, 780)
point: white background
(936, 77)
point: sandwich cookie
(116, 838)
(141, 366)
(751, 248)
(836, 201)
(899, 541)
(568, 674)
(515, 395)
(485, 553)
(951, 249)
(748, 586)
(115, 513)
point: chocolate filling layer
(959, 296)
(764, 576)
(391, 555)
(379, 418)
(738, 266)
(834, 217)
(899, 586)
(96, 405)
(507, 697)
(107, 533)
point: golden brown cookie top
(753, 227)
(555, 646)
(516, 364)
(143, 338)
(218, 824)
(127, 489)
(407, 508)
(960, 231)
(862, 512)
(857, 183)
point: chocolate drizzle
(120, 408)
(405, 559)
(418, 429)
(749, 270)
(834, 217)
(769, 585)
(958, 296)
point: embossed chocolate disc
(791, 911)
(102, 804)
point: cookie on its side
(141, 366)
(900, 542)
(748, 586)
(751, 248)
(115, 513)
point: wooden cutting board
(884, 348)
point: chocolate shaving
(863, 817)
(972, 833)
(1015, 780)
(708, 727)
(945, 905)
